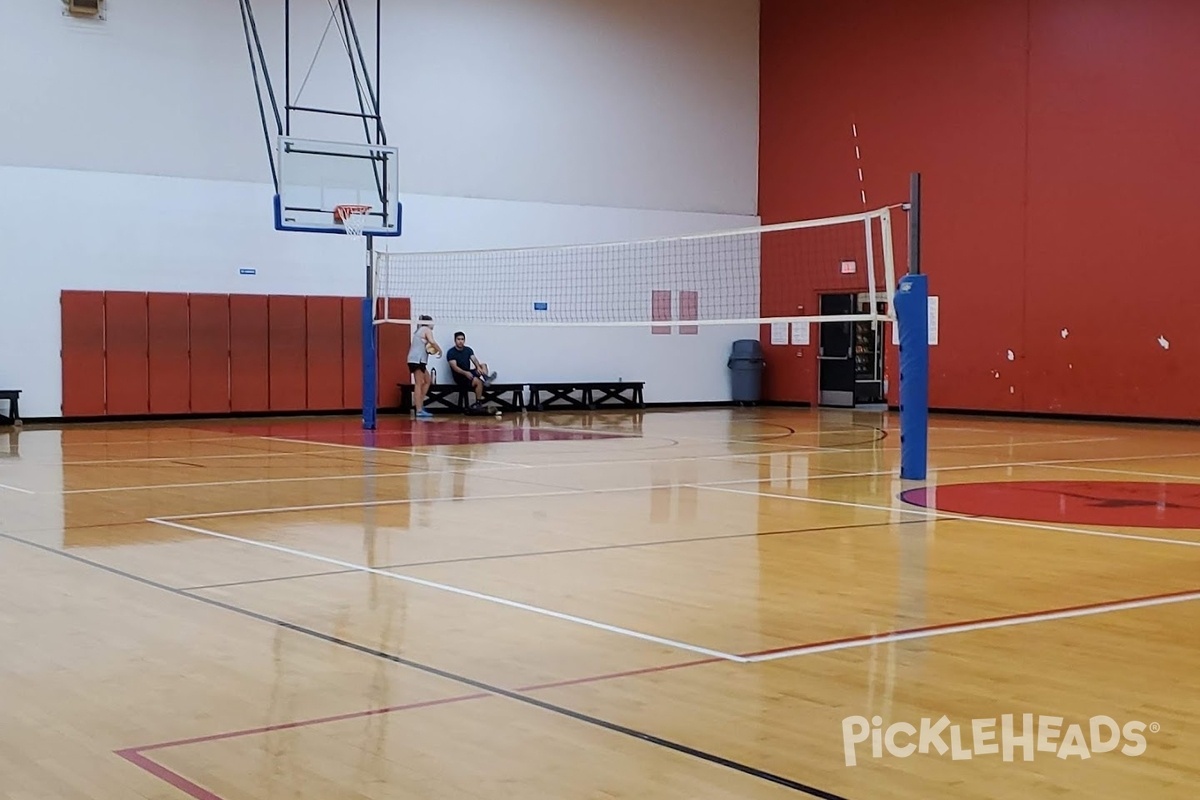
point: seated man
(468, 372)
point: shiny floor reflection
(668, 604)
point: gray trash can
(746, 362)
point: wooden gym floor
(685, 604)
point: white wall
(143, 233)
(627, 103)
(521, 122)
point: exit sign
(849, 267)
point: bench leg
(14, 414)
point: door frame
(853, 292)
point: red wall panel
(126, 345)
(1059, 184)
(248, 354)
(82, 353)
(169, 370)
(324, 359)
(208, 321)
(1113, 204)
(288, 345)
(133, 353)
(394, 341)
(957, 114)
(352, 352)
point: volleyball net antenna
(764, 274)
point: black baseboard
(690, 404)
(1054, 416)
(787, 403)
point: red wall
(146, 354)
(1057, 142)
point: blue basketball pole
(912, 315)
(369, 369)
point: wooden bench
(450, 397)
(591, 394)
(14, 413)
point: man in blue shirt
(468, 371)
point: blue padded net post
(912, 315)
(369, 371)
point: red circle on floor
(1120, 503)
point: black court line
(683, 749)
(535, 553)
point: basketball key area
(705, 602)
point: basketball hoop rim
(289, 226)
(343, 210)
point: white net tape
(755, 275)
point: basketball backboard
(315, 177)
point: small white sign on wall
(779, 333)
(800, 333)
(849, 267)
(933, 320)
(933, 324)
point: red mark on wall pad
(689, 309)
(660, 310)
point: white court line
(934, 514)
(181, 440)
(456, 590)
(765, 441)
(981, 625)
(382, 449)
(1166, 475)
(259, 454)
(401, 502)
(15, 489)
(668, 436)
(1019, 444)
(1054, 463)
(1064, 464)
(819, 448)
(1096, 460)
(990, 465)
(715, 485)
(203, 484)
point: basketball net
(352, 217)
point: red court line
(283, 726)
(162, 773)
(136, 755)
(864, 639)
